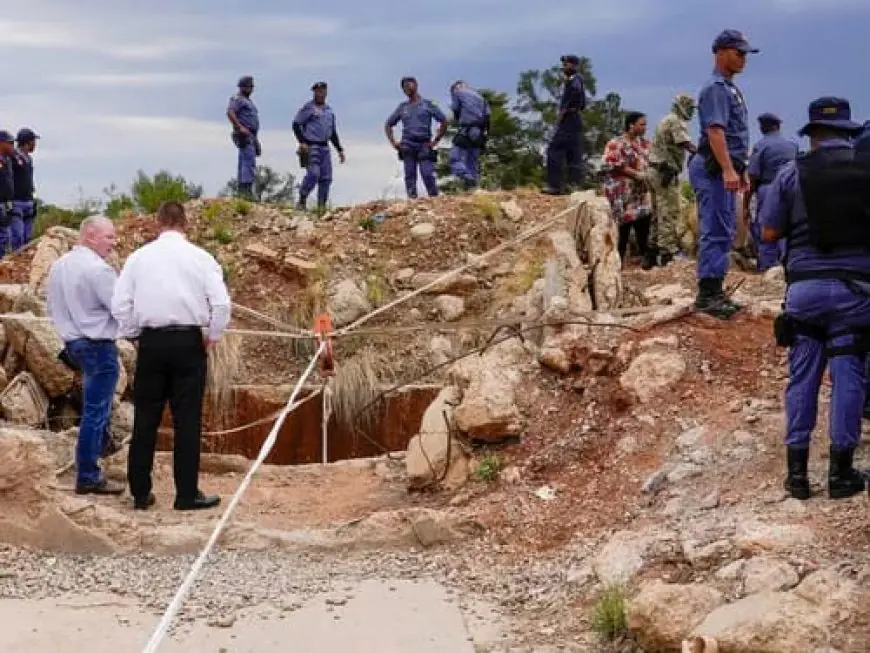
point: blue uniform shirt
(469, 106)
(721, 104)
(784, 209)
(862, 143)
(246, 112)
(317, 122)
(416, 118)
(771, 153)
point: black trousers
(641, 228)
(170, 366)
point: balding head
(97, 233)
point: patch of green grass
(212, 212)
(533, 271)
(223, 233)
(367, 223)
(486, 207)
(241, 206)
(608, 618)
(376, 289)
(488, 468)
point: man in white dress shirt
(79, 293)
(171, 299)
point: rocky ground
(622, 476)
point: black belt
(320, 143)
(172, 328)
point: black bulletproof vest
(7, 182)
(22, 169)
(835, 188)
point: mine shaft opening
(393, 422)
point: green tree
(117, 202)
(511, 159)
(150, 192)
(270, 186)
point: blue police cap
(318, 85)
(246, 81)
(6, 137)
(407, 79)
(732, 39)
(833, 112)
(570, 58)
(26, 135)
(769, 119)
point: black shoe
(712, 301)
(797, 484)
(144, 504)
(104, 488)
(844, 481)
(665, 258)
(650, 259)
(199, 502)
(552, 191)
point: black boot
(650, 258)
(665, 258)
(300, 204)
(246, 191)
(712, 300)
(843, 480)
(797, 484)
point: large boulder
(24, 402)
(38, 344)
(597, 235)
(54, 243)
(348, 301)
(488, 411)
(434, 455)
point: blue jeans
(99, 362)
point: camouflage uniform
(666, 159)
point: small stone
(656, 482)
(710, 501)
(423, 230)
(223, 621)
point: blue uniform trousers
(418, 155)
(318, 173)
(835, 306)
(717, 220)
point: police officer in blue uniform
(21, 227)
(245, 119)
(7, 189)
(417, 148)
(770, 153)
(718, 171)
(472, 115)
(314, 127)
(820, 205)
(566, 146)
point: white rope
(175, 605)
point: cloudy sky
(114, 86)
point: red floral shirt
(629, 198)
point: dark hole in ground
(299, 441)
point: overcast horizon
(125, 89)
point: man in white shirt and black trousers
(172, 300)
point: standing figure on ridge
(719, 170)
(417, 148)
(314, 127)
(566, 146)
(245, 119)
(769, 154)
(21, 228)
(471, 113)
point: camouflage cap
(684, 105)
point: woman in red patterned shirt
(626, 159)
